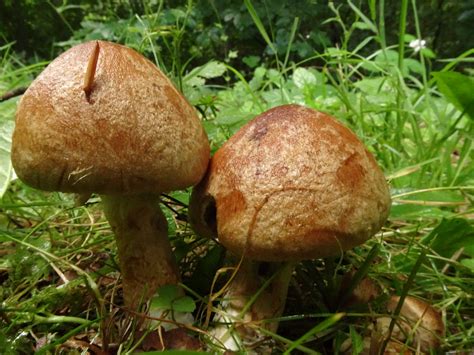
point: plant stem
(145, 256)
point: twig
(13, 93)
(90, 72)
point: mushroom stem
(145, 256)
(256, 293)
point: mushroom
(292, 184)
(103, 119)
(419, 321)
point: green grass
(60, 283)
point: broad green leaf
(458, 90)
(468, 263)
(413, 65)
(303, 77)
(211, 70)
(184, 304)
(198, 76)
(357, 341)
(450, 236)
(6, 129)
(251, 60)
(166, 295)
(170, 298)
(7, 112)
(416, 212)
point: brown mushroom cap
(421, 318)
(292, 184)
(134, 134)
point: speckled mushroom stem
(257, 293)
(145, 256)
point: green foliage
(452, 236)
(6, 130)
(233, 61)
(169, 298)
(458, 90)
(36, 25)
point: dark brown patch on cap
(351, 173)
(230, 204)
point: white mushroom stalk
(250, 302)
(293, 184)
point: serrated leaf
(303, 77)
(212, 69)
(458, 89)
(195, 81)
(198, 76)
(184, 304)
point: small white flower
(418, 44)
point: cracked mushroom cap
(134, 133)
(292, 184)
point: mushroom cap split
(292, 184)
(135, 133)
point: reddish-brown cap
(133, 132)
(292, 184)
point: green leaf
(7, 114)
(184, 304)
(450, 236)
(166, 295)
(458, 89)
(468, 263)
(6, 129)
(251, 60)
(210, 70)
(416, 212)
(414, 65)
(357, 341)
(303, 77)
(428, 53)
(170, 298)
